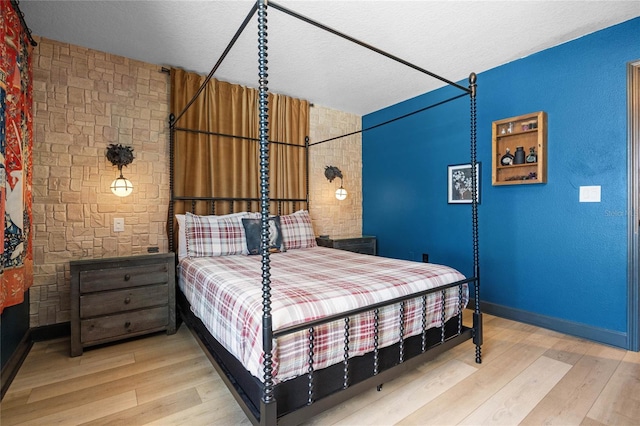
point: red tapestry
(16, 132)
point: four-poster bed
(300, 328)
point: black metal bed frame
(263, 401)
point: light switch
(590, 194)
(118, 224)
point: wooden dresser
(364, 244)
(118, 298)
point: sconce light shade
(332, 172)
(122, 187)
(120, 156)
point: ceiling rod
(222, 57)
(363, 44)
(390, 120)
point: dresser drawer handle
(127, 277)
(127, 300)
(127, 324)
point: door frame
(633, 215)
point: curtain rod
(16, 7)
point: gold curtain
(223, 166)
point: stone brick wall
(83, 101)
(329, 215)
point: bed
(294, 328)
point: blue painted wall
(541, 250)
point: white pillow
(182, 237)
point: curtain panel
(16, 132)
(208, 165)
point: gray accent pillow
(252, 228)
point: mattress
(225, 292)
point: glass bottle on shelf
(532, 157)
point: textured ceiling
(449, 38)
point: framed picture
(459, 183)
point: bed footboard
(300, 398)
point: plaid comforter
(226, 294)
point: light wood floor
(528, 376)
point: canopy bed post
(477, 315)
(171, 212)
(306, 159)
(268, 407)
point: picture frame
(459, 183)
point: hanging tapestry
(16, 130)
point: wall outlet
(118, 224)
(425, 257)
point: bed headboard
(226, 205)
(216, 205)
(216, 161)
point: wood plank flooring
(529, 376)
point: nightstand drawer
(125, 277)
(96, 304)
(123, 325)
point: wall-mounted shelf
(524, 132)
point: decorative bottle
(519, 156)
(532, 157)
(507, 159)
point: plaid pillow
(297, 231)
(215, 235)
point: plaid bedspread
(226, 294)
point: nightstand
(117, 298)
(364, 244)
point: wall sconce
(120, 155)
(332, 172)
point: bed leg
(268, 413)
(379, 387)
(477, 335)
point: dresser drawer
(125, 277)
(112, 302)
(119, 326)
